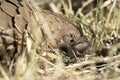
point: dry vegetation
(99, 21)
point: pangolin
(15, 17)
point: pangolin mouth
(82, 49)
(81, 46)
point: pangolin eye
(72, 41)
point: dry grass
(100, 24)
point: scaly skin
(15, 17)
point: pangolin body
(15, 17)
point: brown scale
(15, 16)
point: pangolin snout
(85, 48)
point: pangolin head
(75, 45)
